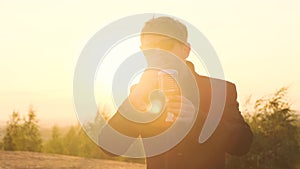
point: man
(232, 135)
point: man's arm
(118, 134)
(236, 132)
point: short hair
(166, 26)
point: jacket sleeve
(118, 134)
(237, 135)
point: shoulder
(210, 80)
(205, 83)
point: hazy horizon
(40, 41)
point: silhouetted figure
(171, 94)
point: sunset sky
(40, 42)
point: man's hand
(179, 108)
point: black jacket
(232, 135)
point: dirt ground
(29, 160)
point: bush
(276, 135)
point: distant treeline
(275, 126)
(23, 134)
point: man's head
(167, 34)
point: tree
(77, 142)
(55, 144)
(32, 136)
(12, 138)
(24, 136)
(70, 142)
(1, 144)
(276, 135)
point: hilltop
(31, 160)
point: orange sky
(40, 42)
